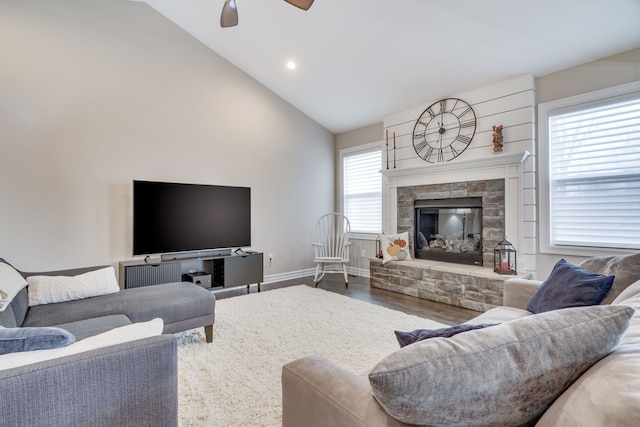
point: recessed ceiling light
(291, 65)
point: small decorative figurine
(497, 138)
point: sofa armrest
(318, 393)
(518, 292)
(129, 384)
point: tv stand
(227, 271)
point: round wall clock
(444, 130)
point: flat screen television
(171, 217)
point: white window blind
(362, 190)
(594, 174)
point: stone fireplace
(505, 181)
(494, 186)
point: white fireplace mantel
(502, 159)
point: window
(590, 170)
(362, 189)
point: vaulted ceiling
(360, 60)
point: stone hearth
(471, 287)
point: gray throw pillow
(406, 338)
(505, 375)
(569, 286)
(13, 340)
(626, 268)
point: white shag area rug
(235, 380)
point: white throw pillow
(395, 247)
(115, 336)
(51, 289)
(11, 282)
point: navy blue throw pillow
(13, 340)
(406, 338)
(570, 286)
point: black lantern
(504, 258)
(378, 247)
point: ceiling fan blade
(302, 4)
(229, 16)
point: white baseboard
(272, 278)
(279, 277)
(362, 272)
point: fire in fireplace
(449, 230)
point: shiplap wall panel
(517, 120)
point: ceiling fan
(229, 17)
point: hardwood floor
(359, 289)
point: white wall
(95, 94)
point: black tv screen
(171, 217)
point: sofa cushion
(115, 336)
(15, 340)
(87, 328)
(172, 302)
(507, 374)
(626, 268)
(406, 338)
(11, 282)
(52, 289)
(569, 286)
(608, 394)
(499, 314)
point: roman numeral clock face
(444, 130)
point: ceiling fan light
(302, 4)
(229, 16)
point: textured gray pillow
(13, 340)
(504, 375)
(626, 268)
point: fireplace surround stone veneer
(491, 192)
(473, 287)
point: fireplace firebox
(449, 230)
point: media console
(211, 272)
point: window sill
(586, 251)
(363, 236)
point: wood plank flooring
(359, 289)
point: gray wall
(95, 94)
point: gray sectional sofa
(127, 384)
